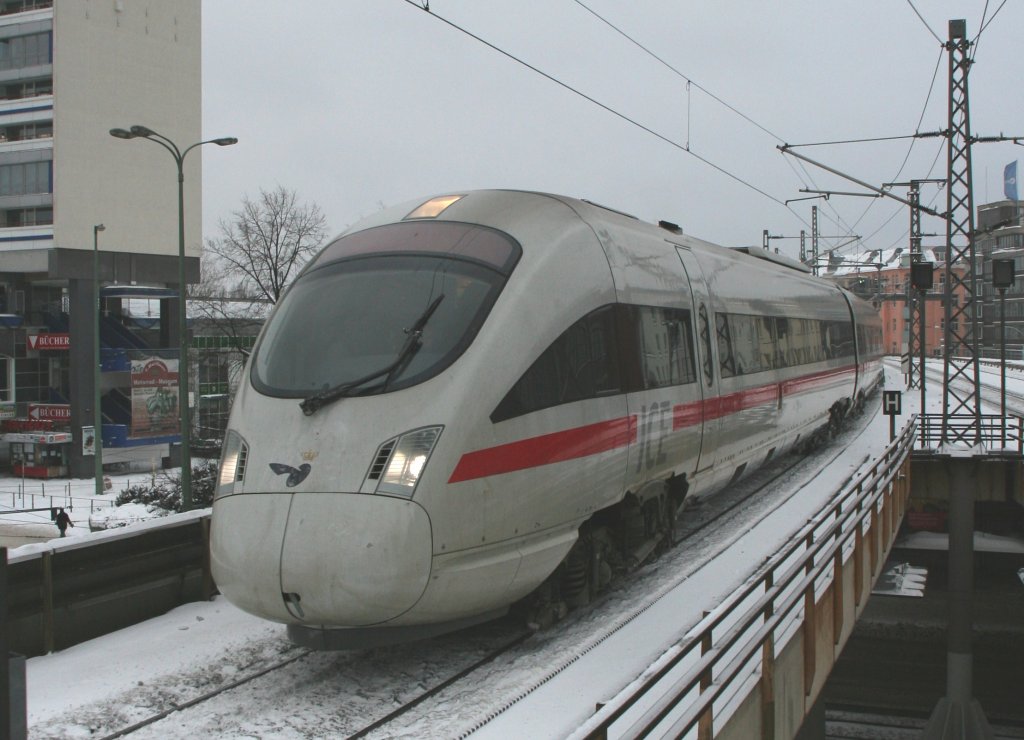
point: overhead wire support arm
(847, 243)
(827, 193)
(787, 149)
(992, 139)
(813, 197)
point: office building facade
(69, 72)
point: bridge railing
(994, 431)
(785, 626)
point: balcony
(24, 110)
(23, 11)
(18, 237)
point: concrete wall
(118, 63)
(998, 479)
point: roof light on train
(434, 207)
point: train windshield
(382, 310)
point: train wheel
(647, 520)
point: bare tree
(267, 241)
(224, 307)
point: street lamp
(97, 429)
(141, 132)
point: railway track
(206, 696)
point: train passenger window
(746, 343)
(841, 336)
(750, 344)
(704, 325)
(665, 345)
(726, 360)
(581, 363)
(766, 334)
(804, 340)
(784, 349)
(614, 349)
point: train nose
(333, 559)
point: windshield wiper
(412, 344)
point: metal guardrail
(732, 652)
(17, 498)
(72, 592)
(995, 432)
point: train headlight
(400, 471)
(232, 464)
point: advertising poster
(88, 441)
(154, 397)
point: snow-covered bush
(164, 490)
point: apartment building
(883, 277)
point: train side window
(804, 340)
(746, 343)
(665, 344)
(726, 360)
(581, 363)
(841, 336)
(704, 324)
(766, 333)
(784, 349)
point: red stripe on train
(569, 444)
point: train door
(704, 339)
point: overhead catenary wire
(985, 24)
(594, 101)
(686, 146)
(897, 211)
(906, 158)
(942, 52)
(689, 81)
(921, 17)
(838, 220)
(804, 179)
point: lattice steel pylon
(915, 300)
(915, 339)
(961, 401)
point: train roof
(580, 206)
(778, 259)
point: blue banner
(1010, 180)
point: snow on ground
(76, 691)
(78, 497)
(103, 675)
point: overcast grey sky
(358, 104)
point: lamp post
(97, 429)
(142, 132)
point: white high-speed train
(464, 399)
